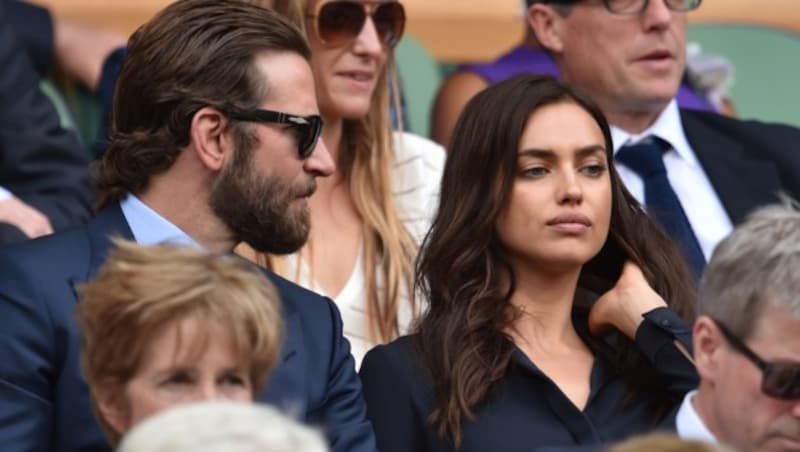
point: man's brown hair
(192, 54)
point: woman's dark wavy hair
(192, 54)
(462, 266)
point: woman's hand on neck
(624, 305)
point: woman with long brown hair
(369, 217)
(557, 310)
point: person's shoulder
(318, 313)
(726, 124)
(39, 275)
(413, 149)
(400, 355)
(416, 177)
(60, 250)
(296, 297)
(396, 366)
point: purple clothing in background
(524, 59)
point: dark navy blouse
(526, 411)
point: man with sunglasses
(747, 338)
(215, 141)
(698, 172)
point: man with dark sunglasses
(215, 141)
(747, 338)
(699, 173)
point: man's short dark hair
(192, 54)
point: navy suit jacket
(747, 162)
(44, 400)
(33, 27)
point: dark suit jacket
(44, 401)
(40, 162)
(747, 162)
(33, 27)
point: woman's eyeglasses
(779, 379)
(340, 22)
(307, 128)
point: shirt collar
(688, 422)
(150, 228)
(668, 127)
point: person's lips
(789, 442)
(307, 190)
(658, 59)
(786, 430)
(570, 223)
(358, 78)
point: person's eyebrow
(549, 154)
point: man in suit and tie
(698, 173)
(214, 142)
(747, 338)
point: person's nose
(368, 42)
(207, 391)
(320, 162)
(569, 190)
(796, 408)
(657, 15)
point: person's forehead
(776, 333)
(289, 81)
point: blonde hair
(366, 161)
(141, 289)
(215, 426)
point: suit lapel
(287, 385)
(741, 182)
(108, 223)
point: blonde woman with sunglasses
(370, 215)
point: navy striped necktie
(646, 158)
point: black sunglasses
(307, 128)
(780, 379)
(339, 22)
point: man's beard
(258, 209)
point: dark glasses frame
(674, 5)
(632, 7)
(780, 380)
(370, 9)
(308, 128)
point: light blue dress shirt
(150, 228)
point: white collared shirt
(4, 194)
(688, 423)
(703, 208)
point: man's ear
(209, 138)
(112, 406)
(548, 26)
(709, 346)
